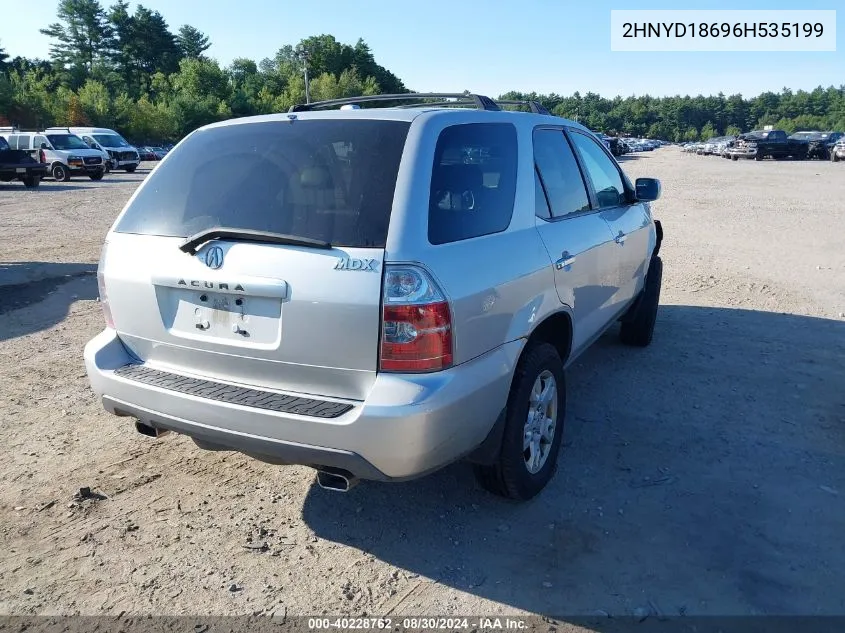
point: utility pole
(303, 56)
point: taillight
(42, 157)
(416, 333)
(101, 286)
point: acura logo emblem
(214, 257)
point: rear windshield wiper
(191, 244)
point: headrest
(315, 177)
(459, 177)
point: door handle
(565, 260)
(620, 239)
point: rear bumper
(408, 426)
(11, 172)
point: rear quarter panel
(500, 286)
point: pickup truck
(774, 143)
(19, 165)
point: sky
(485, 46)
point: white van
(65, 153)
(119, 153)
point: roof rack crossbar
(481, 102)
(535, 106)
(434, 104)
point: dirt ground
(702, 475)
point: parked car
(820, 144)
(147, 154)
(19, 165)
(66, 154)
(282, 287)
(837, 152)
(617, 146)
(772, 143)
(121, 154)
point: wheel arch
(555, 329)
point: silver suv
(374, 293)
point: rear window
(473, 181)
(330, 180)
(3, 143)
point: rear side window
(473, 181)
(3, 144)
(23, 141)
(331, 180)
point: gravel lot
(703, 475)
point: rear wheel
(533, 427)
(31, 182)
(61, 173)
(130, 168)
(639, 329)
(833, 157)
(97, 175)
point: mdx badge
(353, 263)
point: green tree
(192, 42)
(708, 131)
(733, 130)
(3, 57)
(95, 102)
(81, 38)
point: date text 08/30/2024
(418, 624)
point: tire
(31, 182)
(639, 329)
(97, 176)
(734, 157)
(834, 158)
(60, 173)
(130, 168)
(511, 476)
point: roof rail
(479, 101)
(535, 106)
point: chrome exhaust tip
(148, 430)
(337, 480)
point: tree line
(131, 71)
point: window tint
(23, 141)
(605, 177)
(541, 205)
(331, 180)
(473, 181)
(559, 170)
(111, 140)
(4, 144)
(66, 142)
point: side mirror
(43, 145)
(648, 189)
